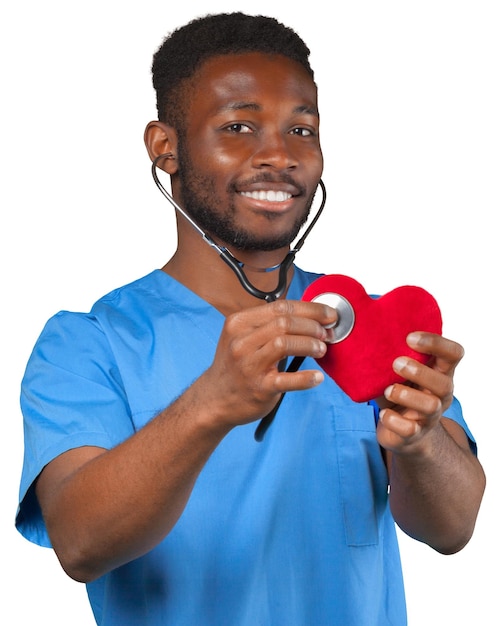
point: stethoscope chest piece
(345, 312)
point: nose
(274, 151)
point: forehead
(251, 78)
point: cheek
(313, 159)
(216, 157)
(230, 154)
(221, 161)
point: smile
(267, 194)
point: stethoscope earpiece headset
(232, 261)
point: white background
(409, 95)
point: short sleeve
(454, 412)
(71, 396)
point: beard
(200, 201)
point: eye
(302, 132)
(238, 128)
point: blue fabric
(293, 531)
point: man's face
(249, 157)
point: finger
(282, 346)
(294, 325)
(394, 424)
(447, 353)
(321, 313)
(297, 381)
(280, 337)
(413, 399)
(284, 316)
(437, 382)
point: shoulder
(301, 280)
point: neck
(199, 267)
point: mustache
(268, 177)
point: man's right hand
(244, 383)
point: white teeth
(269, 195)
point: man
(141, 469)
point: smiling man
(141, 469)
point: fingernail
(399, 363)
(318, 377)
(413, 338)
(330, 335)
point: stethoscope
(232, 261)
(237, 267)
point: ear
(162, 139)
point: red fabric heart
(361, 364)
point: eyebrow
(253, 106)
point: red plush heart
(361, 364)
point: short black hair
(183, 52)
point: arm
(104, 508)
(436, 482)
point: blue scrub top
(293, 531)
